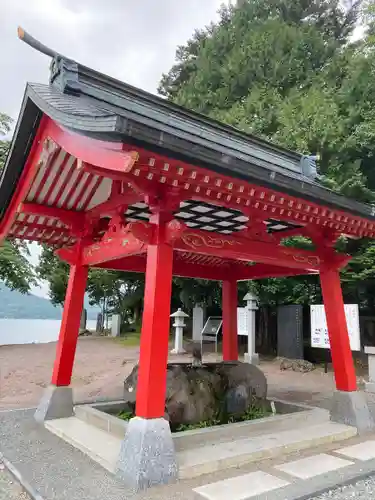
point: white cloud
(132, 41)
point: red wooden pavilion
(113, 177)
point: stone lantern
(179, 325)
(251, 308)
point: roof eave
(117, 128)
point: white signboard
(242, 321)
(319, 330)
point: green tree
(196, 291)
(15, 269)
(287, 70)
(280, 69)
(5, 123)
(113, 291)
(55, 272)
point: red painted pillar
(152, 375)
(230, 335)
(342, 358)
(67, 343)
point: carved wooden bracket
(143, 231)
(257, 230)
(174, 230)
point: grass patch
(252, 413)
(125, 415)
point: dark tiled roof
(99, 106)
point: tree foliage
(290, 72)
(5, 123)
(113, 291)
(15, 269)
(118, 291)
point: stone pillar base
(178, 351)
(252, 359)
(350, 408)
(56, 402)
(147, 457)
(370, 386)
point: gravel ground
(9, 488)
(362, 490)
(54, 468)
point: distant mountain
(16, 305)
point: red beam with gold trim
(134, 239)
(240, 248)
(111, 247)
(68, 217)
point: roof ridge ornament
(309, 167)
(63, 71)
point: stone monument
(116, 325)
(198, 322)
(179, 325)
(251, 308)
(290, 332)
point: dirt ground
(102, 364)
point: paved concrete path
(56, 470)
(292, 478)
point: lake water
(29, 331)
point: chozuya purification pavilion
(113, 177)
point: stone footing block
(178, 351)
(147, 457)
(351, 408)
(370, 386)
(252, 359)
(56, 402)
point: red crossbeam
(32, 226)
(68, 217)
(240, 248)
(263, 271)
(115, 246)
(137, 264)
(232, 247)
(152, 172)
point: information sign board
(319, 330)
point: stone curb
(316, 486)
(18, 476)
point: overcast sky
(134, 41)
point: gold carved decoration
(49, 148)
(194, 240)
(313, 260)
(130, 160)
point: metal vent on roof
(308, 166)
